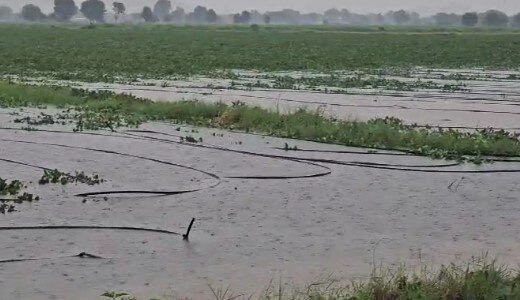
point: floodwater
(262, 213)
(248, 231)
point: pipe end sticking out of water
(186, 236)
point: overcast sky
(363, 6)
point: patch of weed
(58, 177)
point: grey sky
(363, 6)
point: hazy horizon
(365, 6)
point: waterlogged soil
(282, 224)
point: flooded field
(262, 212)
(473, 99)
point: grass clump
(108, 110)
(481, 279)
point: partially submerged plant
(118, 296)
(85, 179)
(6, 208)
(13, 192)
(27, 197)
(55, 176)
(11, 188)
(41, 119)
(286, 147)
(190, 139)
(104, 117)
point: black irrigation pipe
(255, 97)
(315, 161)
(143, 138)
(185, 236)
(180, 91)
(466, 127)
(304, 159)
(331, 161)
(420, 96)
(217, 178)
(410, 169)
(365, 105)
(87, 227)
(346, 152)
(23, 164)
(91, 227)
(310, 161)
(380, 106)
(352, 163)
(493, 159)
(327, 171)
(80, 255)
(396, 151)
(391, 95)
(453, 96)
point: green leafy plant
(13, 192)
(10, 187)
(55, 176)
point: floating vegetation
(286, 147)
(361, 82)
(191, 139)
(28, 128)
(11, 193)
(42, 119)
(10, 187)
(6, 208)
(58, 177)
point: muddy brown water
(251, 231)
(247, 231)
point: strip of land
(98, 110)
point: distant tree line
(95, 12)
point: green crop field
(155, 51)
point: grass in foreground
(479, 280)
(158, 51)
(98, 110)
